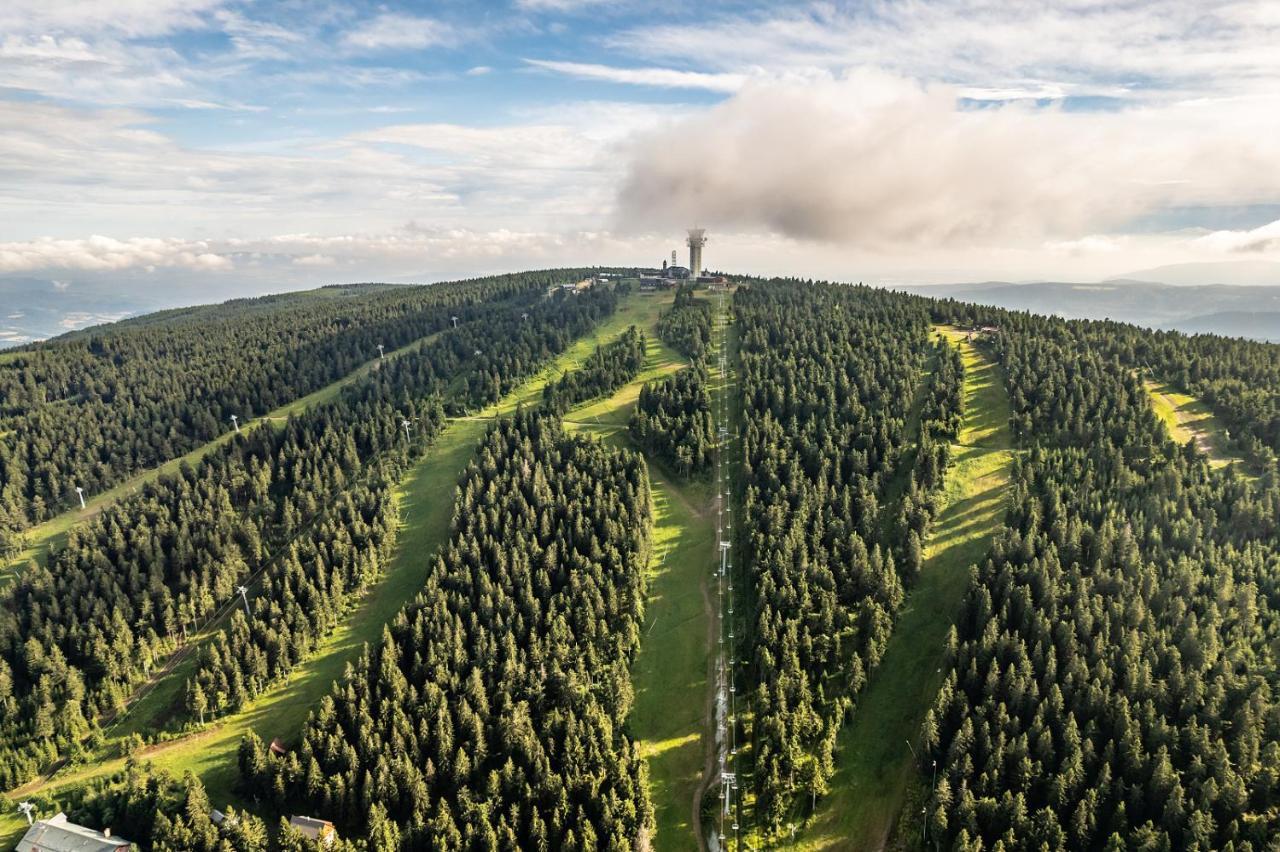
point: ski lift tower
(697, 239)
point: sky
(304, 143)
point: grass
(640, 311)
(42, 538)
(668, 718)
(1187, 418)
(874, 762)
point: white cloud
(82, 319)
(875, 161)
(80, 168)
(134, 18)
(805, 162)
(1261, 239)
(314, 260)
(392, 31)
(98, 253)
(666, 78)
(256, 40)
(1092, 244)
(1149, 48)
(560, 5)
(103, 71)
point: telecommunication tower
(697, 239)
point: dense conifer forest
(92, 408)
(609, 368)
(824, 414)
(687, 325)
(488, 716)
(1109, 684)
(1112, 680)
(305, 510)
(673, 422)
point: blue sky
(306, 142)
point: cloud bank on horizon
(303, 142)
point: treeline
(305, 508)
(93, 408)
(672, 421)
(610, 367)
(490, 714)
(1110, 684)
(825, 408)
(686, 326)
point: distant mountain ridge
(39, 308)
(1262, 325)
(1231, 310)
(1245, 273)
(34, 309)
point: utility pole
(235, 421)
(933, 791)
(524, 316)
(405, 424)
(80, 494)
(27, 808)
(455, 322)
(244, 596)
(381, 354)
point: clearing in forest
(43, 537)
(670, 675)
(874, 763)
(1188, 418)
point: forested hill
(90, 409)
(305, 510)
(1104, 674)
(1112, 680)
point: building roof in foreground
(58, 835)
